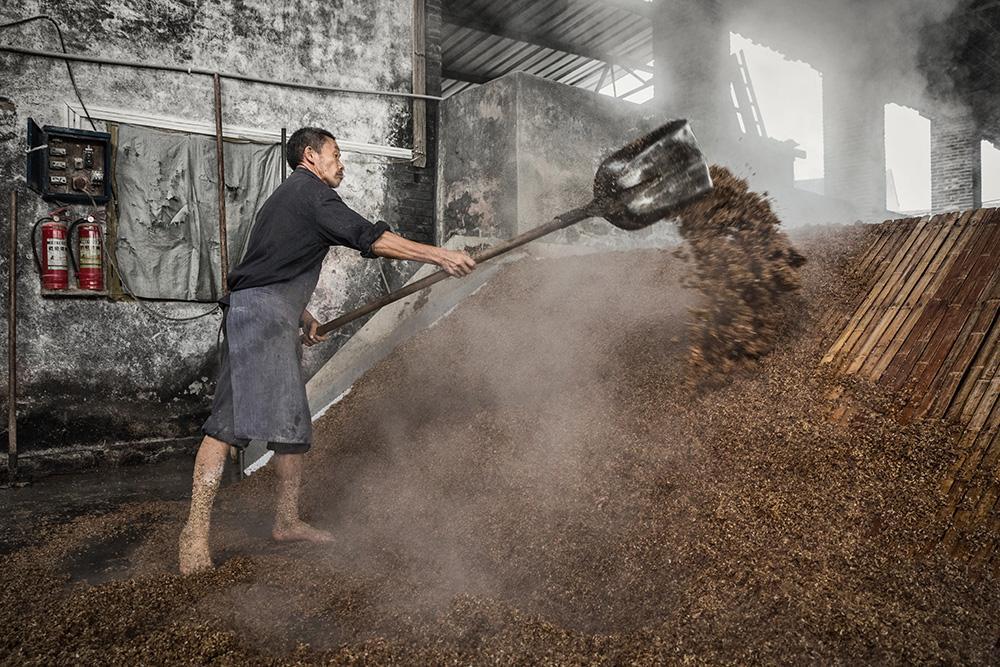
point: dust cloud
(905, 45)
(534, 379)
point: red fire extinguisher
(53, 262)
(89, 268)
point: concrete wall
(477, 170)
(519, 150)
(94, 373)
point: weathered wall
(477, 174)
(95, 372)
(521, 149)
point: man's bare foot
(194, 554)
(297, 530)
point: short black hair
(302, 137)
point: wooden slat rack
(928, 326)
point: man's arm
(394, 246)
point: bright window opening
(632, 85)
(991, 175)
(789, 98)
(907, 160)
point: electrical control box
(68, 165)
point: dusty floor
(533, 481)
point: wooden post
(221, 160)
(284, 154)
(115, 291)
(12, 342)
(419, 83)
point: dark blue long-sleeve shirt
(294, 229)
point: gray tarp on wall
(168, 202)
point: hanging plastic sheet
(168, 212)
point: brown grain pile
(745, 268)
(532, 481)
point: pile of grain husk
(745, 268)
(533, 481)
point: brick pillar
(854, 142)
(691, 75)
(414, 187)
(956, 164)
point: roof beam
(468, 77)
(636, 7)
(464, 20)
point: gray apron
(265, 359)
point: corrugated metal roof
(569, 41)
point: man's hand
(456, 263)
(309, 326)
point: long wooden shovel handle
(560, 222)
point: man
(261, 392)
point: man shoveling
(260, 393)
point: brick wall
(414, 217)
(854, 142)
(956, 162)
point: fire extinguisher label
(90, 253)
(55, 254)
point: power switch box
(80, 160)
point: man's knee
(211, 444)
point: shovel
(647, 180)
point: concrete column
(691, 48)
(956, 164)
(854, 142)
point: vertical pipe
(221, 160)
(284, 153)
(12, 342)
(419, 83)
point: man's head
(316, 149)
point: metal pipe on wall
(419, 83)
(12, 342)
(220, 158)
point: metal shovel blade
(652, 177)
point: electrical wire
(94, 208)
(62, 45)
(151, 311)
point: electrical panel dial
(69, 165)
